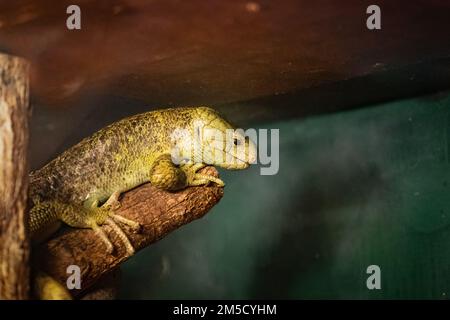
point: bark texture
(14, 116)
(159, 212)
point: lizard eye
(237, 142)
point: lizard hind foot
(102, 235)
(113, 202)
(122, 236)
(135, 226)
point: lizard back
(117, 157)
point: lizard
(81, 187)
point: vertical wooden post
(14, 115)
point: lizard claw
(101, 234)
(113, 202)
(135, 226)
(198, 179)
(129, 247)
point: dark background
(363, 119)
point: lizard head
(213, 140)
(227, 147)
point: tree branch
(159, 212)
(14, 114)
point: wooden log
(159, 212)
(14, 115)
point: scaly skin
(81, 186)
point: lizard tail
(47, 288)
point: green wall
(370, 186)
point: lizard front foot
(193, 178)
(165, 175)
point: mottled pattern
(117, 158)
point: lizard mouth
(234, 163)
